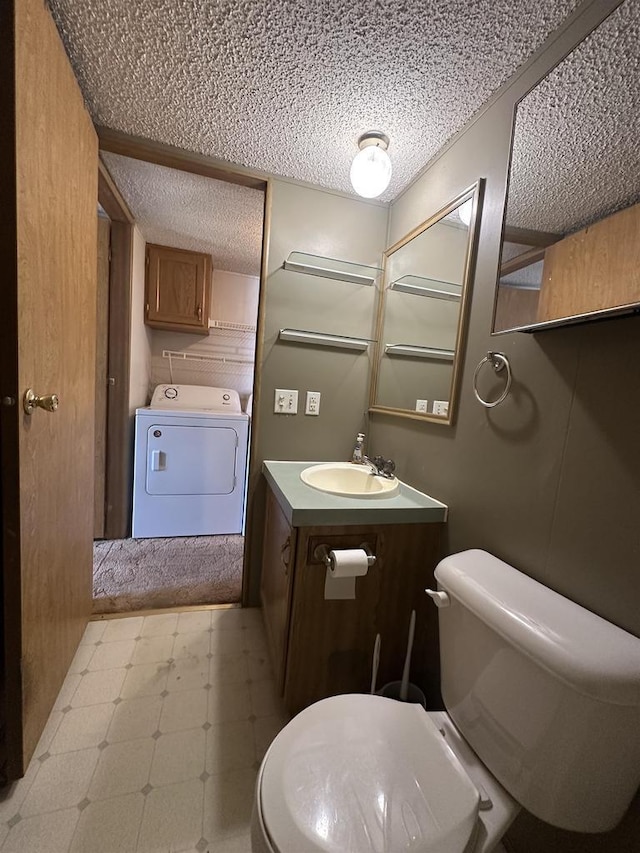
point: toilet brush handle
(404, 686)
(376, 661)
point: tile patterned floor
(154, 742)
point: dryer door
(191, 460)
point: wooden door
(48, 194)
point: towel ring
(498, 361)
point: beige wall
(321, 223)
(234, 299)
(140, 369)
(550, 480)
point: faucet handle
(389, 467)
(379, 462)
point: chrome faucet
(380, 467)
(383, 467)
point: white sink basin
(344, 478)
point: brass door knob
(31, 402)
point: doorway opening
(219, 217)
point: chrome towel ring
(498, 361)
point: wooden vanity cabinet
(275, 584)
(177, 289)
(324, 647)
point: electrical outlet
(441, 407)
(312, 406)
(286, 402)
(421, 406)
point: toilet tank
(545, 692)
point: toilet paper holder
(322, 554)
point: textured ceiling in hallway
(175, 208)
(287, 86)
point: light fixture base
(373, 137)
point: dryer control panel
(195, 397)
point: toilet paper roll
(340, 579)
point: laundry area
(190, 463)
(195, 269)
(153, 574)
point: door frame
(138, 148)
(118, 450)
(10, 636)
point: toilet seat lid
(365, 773)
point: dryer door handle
(158, 460)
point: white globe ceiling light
(371, 167)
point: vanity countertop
(305, 506)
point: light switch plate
(285, 402)
(312, 406)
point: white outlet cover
(441, 407)
(421, 406)
(312, 405)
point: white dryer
(190, 462)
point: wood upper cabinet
(178, 286)
(593, 270)
(323, 647)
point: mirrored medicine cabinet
(423, 312)
(571, 246)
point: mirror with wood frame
(423, 313)
(570, 250)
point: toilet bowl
(366, 773)
(542, 703)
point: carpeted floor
(143, 574)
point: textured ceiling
(287, 86)
(175, 208)
(576, 155)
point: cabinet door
(177, 289)
(331, 641)
(276, 583)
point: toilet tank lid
(585, 651)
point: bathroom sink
(344, 478)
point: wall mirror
(423, 311)
(570, 251)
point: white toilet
(543, 711)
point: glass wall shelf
(410, 351)
(301, 336)
(332, 268)
(419, 286)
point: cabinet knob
(199, 312)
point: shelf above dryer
(332, 268)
